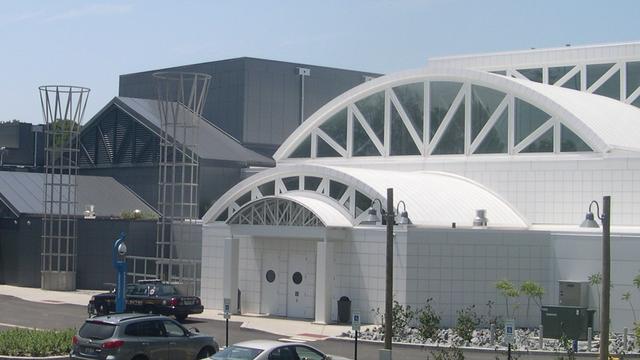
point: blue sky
(90, 43)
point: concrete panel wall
(556, 191)
(577, 256)
(213, 238)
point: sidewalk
(295, 329)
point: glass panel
(325, 150)
(570, 142)
(499, 72)
(532, 74)
(633, 77)
(223, 216)
(441, 95)
(401, 141)
(267, 189)
(557, 72)
(336, 189)
(292, 183)
(636, 102)
(244, 198)
(336, 127)
(452, 141)
(496, 140)
(303, 150)
(412, 100)
(543, 144)
(573, 83)
(312, 183)
(611, 87)
(484, 102)
(595, 72)
(362, 144)
(362, 203)
(528, 119)
(372, 108)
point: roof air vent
(481, 218)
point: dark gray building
(21, 146)
(21, 212)
(257, 101)
(122, 141)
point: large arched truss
(447, 112)
(351, 198)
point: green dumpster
(569, 321)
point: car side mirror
(194, 330)
(328, 357)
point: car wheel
(205, 353)
(181, 317)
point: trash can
(344, 310)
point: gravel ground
(525, 339)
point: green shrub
(467, 321)
(428, 321)
(36, 343)
(402, 316)
(447, 353)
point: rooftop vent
(481, 218)
(89, 212)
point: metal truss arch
(274, 211)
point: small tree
(533, 291)
(508, 290)
(466, 322)
(627, 297)
(428, 321)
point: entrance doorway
(288, 278)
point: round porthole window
(271, 276)
(297, 278)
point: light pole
(606, 268)
(389, 217)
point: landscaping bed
(34, 343)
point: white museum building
(530, 137)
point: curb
(59, 357)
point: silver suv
(139, 337)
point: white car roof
(264, 344)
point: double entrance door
(288, 278)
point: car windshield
(96, 330)
(166, 290)
(238, 353)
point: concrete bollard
(589, 338)
(541, 337)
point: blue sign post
(120, 250)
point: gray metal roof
(23, 193)
(213, 142)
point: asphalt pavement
(52, 315)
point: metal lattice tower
(181, 99)
(62, 109)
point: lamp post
(606, 268)
(389, 217)
(120, 250)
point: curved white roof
(328, 214)
(431, 198)
(603, 124)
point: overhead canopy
(23, 193)
(341, 194)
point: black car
(149, 297)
